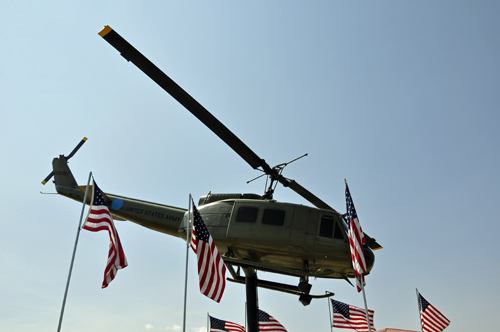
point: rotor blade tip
(105, 31)
(84, 139)
(44, 182)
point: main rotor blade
(131, 54)
(309, 196)
(372, 243)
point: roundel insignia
(117, 204)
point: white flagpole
(364, 298)
(74, 253)
(419, 315)
(330, 312)
(188, 238)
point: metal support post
(252, 308)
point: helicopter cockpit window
(326, 227)
(338, 232)
(329, 228)
(273, 217)
(247, 214)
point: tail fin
(62, 174)
(65, 182)
(66, 159)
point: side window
(273, 217)
(326, 227)
(247, 214)
(329, 228)
(338, 232)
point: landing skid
(301, 290)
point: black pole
(252, 300)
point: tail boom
(159, 217)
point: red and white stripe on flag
(356, 240)
(432, 320)
(99, 219)
(211, 268)
(346, 316)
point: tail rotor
(66, 158)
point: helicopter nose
(369, 258)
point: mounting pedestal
(252, 307)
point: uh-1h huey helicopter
(252, 232)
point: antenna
(275, 173)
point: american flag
(356, 240)
(217, 325)
(431, 319)
(99, 219)
(211, 268)
(267, 323)
(346, 316)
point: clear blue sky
(401, 98)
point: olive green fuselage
(278, 237)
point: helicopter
(252, 232)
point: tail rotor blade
(48, 178)
(66, 158)
(76, 148)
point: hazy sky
(401, 98)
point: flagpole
(74, 253)
(188, 233)
(419, 306)
(330, 312)
(366, 305)
(358, 256)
